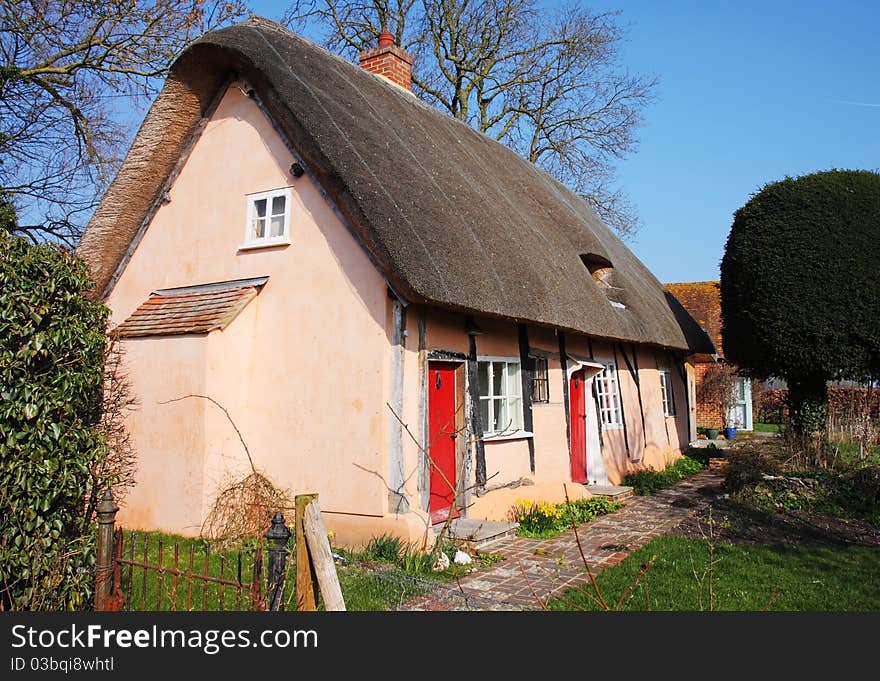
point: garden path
(534, 570)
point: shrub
(747, 467)
(647, 482)
(701, 454)
(52, 348)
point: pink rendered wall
(552, 460)
(308, 398)
(660, 439)
(160, 499)
(657, 442)
(445, 331)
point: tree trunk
(808, 407)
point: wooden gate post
(306, 581)
(277, 536)
(105, 561)
(322, 558)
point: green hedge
(52, 347)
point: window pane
(259, 230)
(514, 382)
(497, 379)
(663, 395)
(539, 381)
(514, 409)
(484, 416)
(609, 399)
(502, 418)
(483, 376)
(276, 227)
(278, 205)
(539, 390)
(260, 208)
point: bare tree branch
(545, 82)
(64, 67)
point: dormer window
(268, 219)
(600, 268)
(602, 271)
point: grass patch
(746, 577)
(849, 453)
(768, 427)
(151, 590)
(648, 481)
(540, 520)
(387, 572)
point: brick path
(553, 565)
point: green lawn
(746, 577)
(768, 427)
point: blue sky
(748, 93)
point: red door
(578, 416)
(441, 433)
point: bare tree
(546, 83)
(69, 74)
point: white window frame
(507, 433)
(283, 239)
(607, 384)
(667, 392)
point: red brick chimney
(389, 61)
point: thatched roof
(450, 216)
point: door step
(478, 533)
(613, 492)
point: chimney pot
(386, 39)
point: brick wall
(708, 411)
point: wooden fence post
(306, 583)
(106, 548)
(277, 536)
(322, 557)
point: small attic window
(600, 268)
(268, 219)
(602, 271)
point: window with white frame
(666, 392)
(268, 218)
(500, 396)
(608, 394)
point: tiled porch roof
(191, 309)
